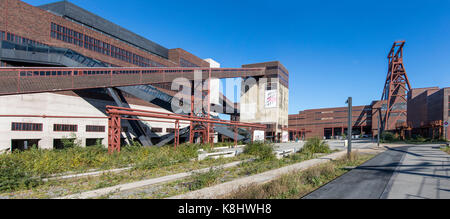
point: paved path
(399, 173)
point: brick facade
(179, 55)
(34, 23)
(330, 122)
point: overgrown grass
(446, 150)
(24, 170)
(201, 180)
(301, 183)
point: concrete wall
(253, 107)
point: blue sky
(333, 49)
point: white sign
(259, 136)
(285, 138)
(271, 99)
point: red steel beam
(115, 114)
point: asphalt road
(399, 173)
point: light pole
(378, 135)
(350, 126)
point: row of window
(73, 37)
(80, 73)
(326, 123)
(160, 130)
(448, 106)
(18, 39)
(37, 127)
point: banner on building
(271, 99)
(259, 136)
(285, 137)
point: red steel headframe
(396, 88)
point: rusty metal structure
(116, 114)
(395, 90)
(15, 81)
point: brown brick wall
(315, 121)
(272, 72)
(418, 106)
(176, 54)
(2, 14)
(34, 23)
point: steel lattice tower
(396, 88)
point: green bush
(261, 150)
(14, 176)
(316, 145)
(389, 137)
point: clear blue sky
(333, 49)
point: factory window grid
(170, 130)
(17, 126)
(65, 128)
(95, 128)
(20, 40)
(157, 130)
(73, 37)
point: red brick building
(428, 109)
(330, 123)
(65, 25)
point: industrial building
(62, 65)
(402, 109)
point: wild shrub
(315, 145)
(389, 137)
(261, 150)
(14, 176)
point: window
(94, 128)
(2, 35)
(73, 37)
(271, 86)
(65, 128)
(15, 126)
(449, 106)
(170, 130)
(157, 130)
